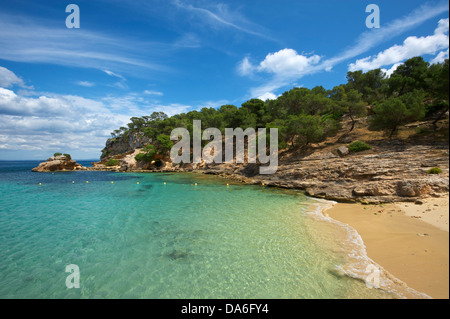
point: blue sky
(66, 89)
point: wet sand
(409, 241)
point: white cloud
(267, 96)
(288, 66)
(120, 84)
(219, 16)
(8, 78)
(151, 92)
(288, 62)
(111, 73)
(411, 47)
(245, 68)
(285, 66)
(391, 70)
(85, 83)
(370, 39)
(170, 109)
(442, 26)
(441, 57)
(188, 40)
(25, 39)
(67, 122)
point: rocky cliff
(124, 144)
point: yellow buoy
(195, 184)
(73, 182)
(40, 184)
(87, 182)
(112, 182)
(262, 184)
(137, 183)
(164, 183)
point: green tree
(282, 127)
(354, 106)
(165, 143)
(409, 76)
(389, 115)
(369, 84)
(439, 87)
(394, 112)
(309, 129)
(256, 107)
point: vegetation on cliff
(416, 90)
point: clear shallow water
(151, 240)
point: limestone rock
(412, 188)
(343, 151)
(58, 163)
(124, 144)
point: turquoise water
(141, 238)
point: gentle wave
(358, 260)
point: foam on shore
(359, 265)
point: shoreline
(411, 249)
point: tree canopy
(305, 116)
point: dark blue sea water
(161, 236)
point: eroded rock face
(389, 175)
(58, 163)
(122, 145)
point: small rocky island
(59, 163)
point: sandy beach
(411, 241)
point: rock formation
(58, 163)
(124, 144)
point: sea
(171, 236)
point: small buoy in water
(73, 182)
(228, 185)
(164, 183)
(195, 184)
(137, 183)
(87, 182)
(40, 184)
(262, 184)
(112, 182)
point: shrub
(359, 146)
(57, 154)
(434, 170)
(112, 162)
(68, 156)
(148, 155)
